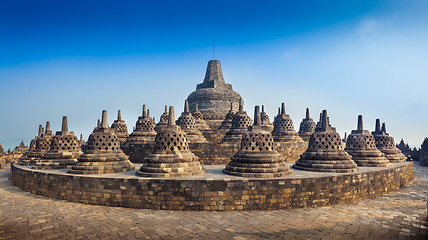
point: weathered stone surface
(257, 157)
(386, 144)
(103, 154)
(215, 191)
(142, 140)
(307, 127)
(227, 122)
(361, 146)
(63, 152)
(171, 156)
(119, 126)
(213, 96)
(325, 152)
(266, 124)
(163, 120)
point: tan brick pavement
(397, 215)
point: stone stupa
(42, 146)
(307, 127)
(199, 118)
(227, 122)
(266, 124)
(361, 146)
(325, 151)
(171, 156)
(163, 121)
(119, 126)
(257, 157)
(63, 152)
(386, 144)
(24, 159)
(187, 124)
(213, 96)
(240, 123)
(287, 141)
(103, 154)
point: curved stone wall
(214, 190)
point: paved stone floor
(398, 215)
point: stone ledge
(214, 190)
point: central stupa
(213, 96)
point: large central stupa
(213, 96)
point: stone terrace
(398, 215)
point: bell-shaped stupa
(240, 123)
(103, 154)
(257, 157)
(24, 159)
(283, 130)
(119, 126)
(361, 146)
(325, 152)
(43, 143)
(187, 124)
(163, 121)
(307, 127)
(199, 118)
(266, 124)
(144, 132)
(63, 152)
(386, 144)
(171, 156)
(227, 122)
(213, 96)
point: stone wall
(227, 193)
(291, 151)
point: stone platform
(214, 190)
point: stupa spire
(283, 109)
(307, 113)
(40, 130)
(257, 119)
(186, 106)
(241, 106)
(144, 111)
(119, 116)
(171, 117)
(377, 126)
(383, 127)
(214, 72)
(104, 123)
(360, 123)
(64, 127)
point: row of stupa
(212, 126)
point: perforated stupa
(163, 121)
(227, 122)
(187, 123)
(240, 123)
(103, 153)
(63, 152)
(42, 146)
(283, 130)
(386, 144)
(144, 130)
(361, 146)
(171, 156)
(266, 124)
(199, 118)
(257, 157)
(325, 152)
(307, 127)
(119, 126)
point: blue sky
(79, 57)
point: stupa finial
(148, 112)
(263, 108)
(104, 123)
(196, 107)
(307, 113)
(324, 119)
(360, 123)
(257, 118)
(40, 130)
(283, 109)
(166, 109)
(171, 117)
(231, 106)
(383, 127)
(377, 126)
(241, 105)
(64, 127)
(186, 106)
(119, 116)
(144, 111)
(48, 127)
